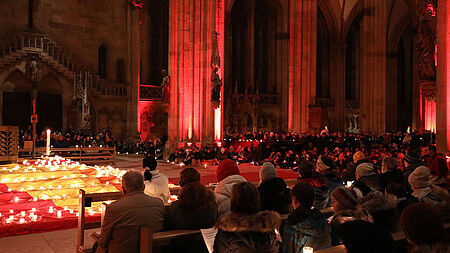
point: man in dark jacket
(125, 217)
(273, 191)
(306, 226)
(390, 173)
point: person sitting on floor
(423, 227)
(345, 208)
(196, 207)
(306, 226)
(156, 183)
(124, 217)
(360, 236)
(427, 193)
(273, 191)
(227, 174)
(390, 172)
(246, 229)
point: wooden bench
(86, 155)
(156, 240)
(85, 200)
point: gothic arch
(354, 13)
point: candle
(58, 213)
(50, 209)
(308, 250)
(22, 220)
(47, 150)
(22, 213)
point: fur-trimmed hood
(376, 201)
(263, 222)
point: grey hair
(391, 163)
(133, 181)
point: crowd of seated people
(72, 139)
(365, 211)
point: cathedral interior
(193, 70)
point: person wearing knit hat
(273, 191)
(365, 172)
(425, 192)
(226, 168)
(189, 175)
(325, 165)
(358, 158)
(411, 162)
(305, 226)
(267, 172)
(361, 236)
(345, 208)
(426, 233)
(227, 174)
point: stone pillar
(191, 114)
(373, 66)
(337, 87)
(132, 70)
(302, 62)
(443, 77)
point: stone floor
(66, 240)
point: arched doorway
(16, 100)
(49, 104)
(405, 78)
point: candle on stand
(47, 150)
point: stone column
(191, 114)
(373, 66)
(302, 62)
(132, 70)
(443, 77)
(337, 87)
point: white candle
(47, 150)
(308, 250)
(58, 213)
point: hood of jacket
(262, 222)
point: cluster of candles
(52, 165)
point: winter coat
(238, 233)
(442, 246)
(180, 217)
(305, 227)
(323, 187)
(158, 187)
(436, 197)
(341, 217)
(391, 176)
(275, 195)
(382, 208)
(372, 181)
(223, 192)
(439, 169)
(349, 175)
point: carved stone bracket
(428, 91)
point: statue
(165, 87)
(34, 67)
(426, 46)
(216, 86)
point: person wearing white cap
(273, 191)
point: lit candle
(22, 220)
(50, 209)
(22, 213)
(58, 213)
(308, 250)
(47, 150)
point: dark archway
(405, 78)
(352, 61)
(17, 100)
(239, 51)
(49, 103)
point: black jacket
(247, 233)
(391, 176)
(178, 217)
(275, 196)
